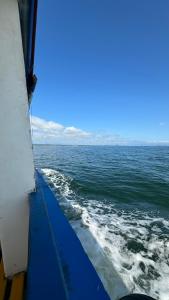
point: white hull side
(16, 159)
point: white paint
(16, 159)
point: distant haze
(49, 132)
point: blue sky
(103, 70)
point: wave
(128, 248)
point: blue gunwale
(58, 267)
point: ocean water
(117, 201)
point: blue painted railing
(58, 267)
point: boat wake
(128, 248)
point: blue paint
(44, 280)
(58, 266)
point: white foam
(59, 181)
(127, 248)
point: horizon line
(50, 144)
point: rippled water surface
(117, 201)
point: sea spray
(127, 248)
(117, 201)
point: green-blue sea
(117, 201)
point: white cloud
(76, 132)
(49, 132)
(43, 125)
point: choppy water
(117, 200)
